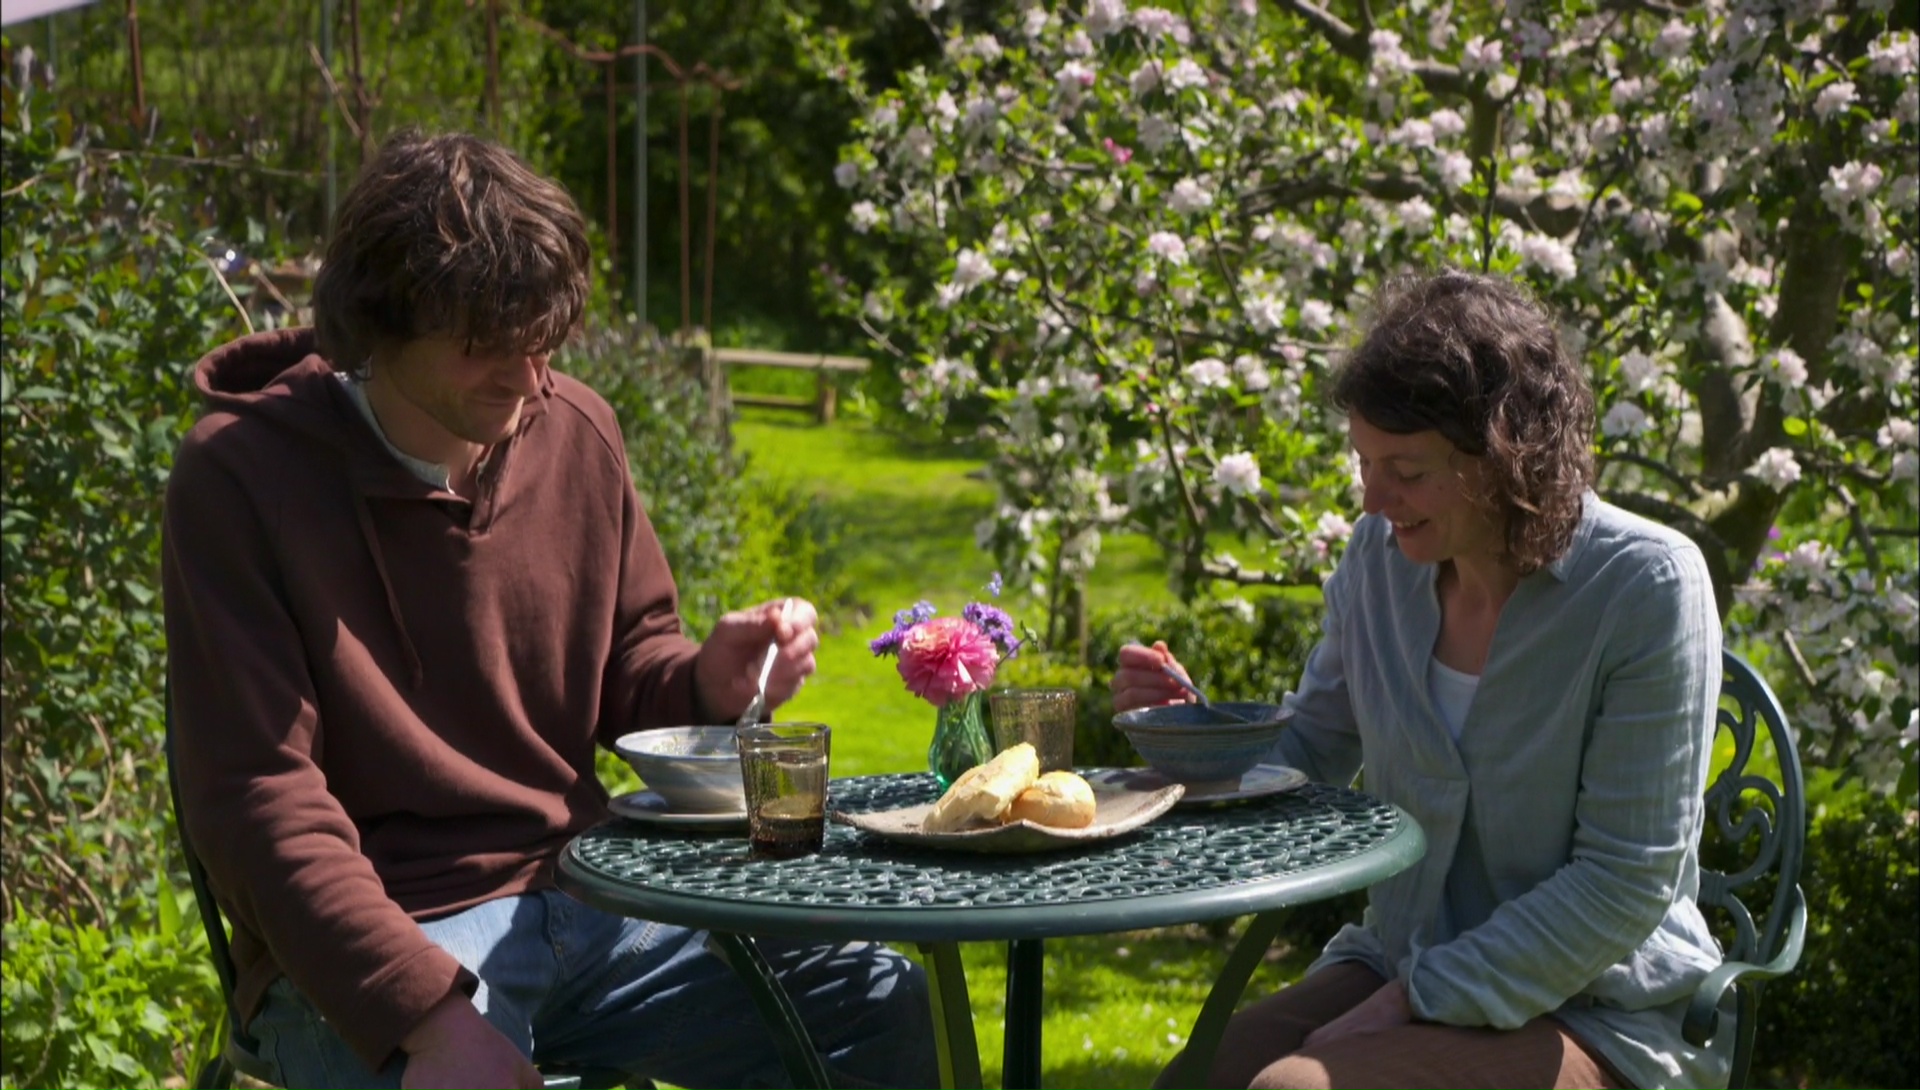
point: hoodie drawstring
(417, 673)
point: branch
(1242, 577)
(333, 91)
(245, 318)
(1860, 531)
(1441, 78)
(1686, 483)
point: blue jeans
(571, 984)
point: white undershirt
(1452, 693)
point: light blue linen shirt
(1563, 827)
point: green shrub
(84, 1007)
(1847, 1013)
(732, 539)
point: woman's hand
(1141, 681)
(1384, 1009)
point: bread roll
(1060, 799)
(984, 793)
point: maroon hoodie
(386, 697)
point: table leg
(953, 1038)
(1026, 968)
(1191, 1066)
(743, 955)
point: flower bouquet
(949, 662)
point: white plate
(1259, 781)
(649, 808)
(1117, 809)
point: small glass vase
(960, 738)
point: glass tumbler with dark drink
(784, 769)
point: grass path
(1118, 1006)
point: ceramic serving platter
(1118, 809)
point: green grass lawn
(1118, 1006)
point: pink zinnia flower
(946, 658)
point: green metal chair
(1761, 826)
(240, 1051)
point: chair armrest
(1703, 1014)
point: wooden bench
(826, 395)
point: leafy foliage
(732, 540)
(1846, 1015)
(87, 1006)
(106, 306)
(1141, 239)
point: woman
(1532, 674)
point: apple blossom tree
(1132, 242)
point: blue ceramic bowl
(1188, 745)
(696, 769)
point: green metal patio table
(1255, 856)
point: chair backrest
(210, 918)
(1759, 824)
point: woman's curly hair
(1479, 360)
(450, 235)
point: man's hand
(454, 1045)
(729, 662)
(1139, 682)
(1384, 1009)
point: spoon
(1217, 713)
(758, 704)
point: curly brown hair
(450, 235)
(1479, 360)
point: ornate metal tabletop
(1186, 866)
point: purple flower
(993, 621)
(993, 585)
(888, 643)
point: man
(409, 585)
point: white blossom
(1208, 374)
(1106, 16)
(1833, 98)
(1479, 55)
(847, 175)
(1238, 474)
(1849, 183)
(1674, 39)
(1186, 74)
(1898, 432)
(1388, 55)
(1455, 170)
(1189, 196)
(1168, 246)
(1625, 419)
(924, 8)
(1501, 84)
(1316, 315)
(1265, 313)
(1547, 254)
(864, 216)
(1332, 527)
(1777, 469)
(1447, 122)
(1145, 78)
(1155, 132)
(1073, 76)
(1157, 23)
(1894, 54)
(1252, 373)
(1416, 215)
(1638, 372)
(1785, 367)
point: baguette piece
(1060, 799)
(984, 793)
